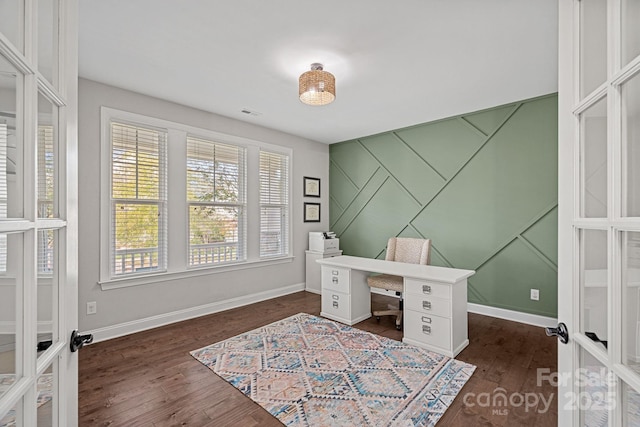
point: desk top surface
(411, 271)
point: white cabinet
(312, 280)
(435, 315)
(345, 295)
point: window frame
(177, 205)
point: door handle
(561, 332)
(43, 345)
(593, 337)
(77, 341)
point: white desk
(435, 299)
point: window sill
(126, 282)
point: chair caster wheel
(378, 318)
(398, 327)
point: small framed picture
(311, 187)
(312, 212)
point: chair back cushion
(407, 249)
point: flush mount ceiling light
(317, 87)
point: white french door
(599, 212)
(38, 209)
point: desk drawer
(336, 304)
(335, 278)
(433, 330)
(428, 305)
(422, 287)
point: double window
(222, 200)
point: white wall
(131, 304)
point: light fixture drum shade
(317, 87)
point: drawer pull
(335, 304)
(334, 279)
(335, 297)
(426, 305)
(426, 329)
(426, 289)
(426, 319)
(335, 272)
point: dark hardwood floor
(149, 378)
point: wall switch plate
(535, 294)
(92, 307)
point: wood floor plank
(149, 378)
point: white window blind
(138, 199)
(3, 194)
(46, 176)
(274, 204)
(45, 171)
(46, 252)
(216, 176)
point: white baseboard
(8, 327)
(515, 316)
(122, 329)
(313, 291)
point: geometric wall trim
(482, 186)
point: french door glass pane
(631, 144)
(631, 406)
(47, 296)
(594, 396)
(631, 299)
(11, 270)
(46, 396)
(11, 418)
(10, 143)
(630, 34)
(593, 45)
(593, 284)
(593, 160)
(47, 38)
(11, 25)
(47, 138)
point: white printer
(323, 242)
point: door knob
(561, 332)
(77, 341)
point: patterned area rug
(310, 371)
(45, 383)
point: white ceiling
(396, 63)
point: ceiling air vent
(250, 113)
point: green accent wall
(482, 186)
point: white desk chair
(400, 249)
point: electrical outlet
(535, 294)
(92, 307)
